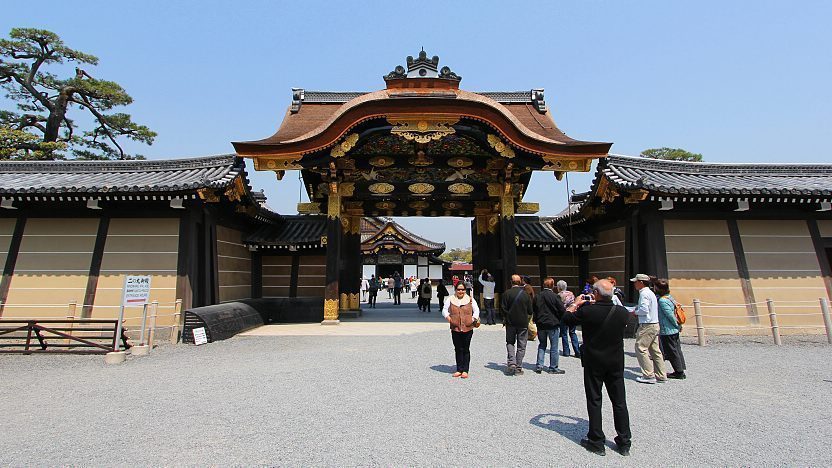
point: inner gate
(419, 147)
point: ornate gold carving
(346, 189)
(636, 196)
(492, 224)
(381, 188)
(507, 206)
(281, 164)
(333, 207)
(516, 240)
(385, 205)
(330, 309)
(452, 205)
(422, 128)
(421, 188)
(344, 301)
(355, 225)
(354, 301)
(342, 148)
(309, 208)
(382, 161)
(482, 224)
(460, 162)
(500, 147)
(494, 189)
(236, 190)
(419, 205)
(345, 224)
(324, 240)
(460, 188)
(208, 195)
(528, 208)
(420, 160)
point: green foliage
(44, 99)
(672, 154)
(457, 255)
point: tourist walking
(373, 291)
(469, 283)
(414, 288)
(365, 286)
(567, 331)
(547, 317)
(426, 294)
(487, 282)
(518, 310)
(397, 288)
(441, 293)
(669, 329)
(602, 323)
(463, 314)
(647, 334)
(391, 284)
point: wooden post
(775, 329)
(154, 312)
(827, 322)
(177, 311)
(700, 329)
(333, 256)
(70, 315)
(508, 243)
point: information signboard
(199, 336)
(136, 291)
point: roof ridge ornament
(422, 67)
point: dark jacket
(603, 349)
(441, 291)
(517, 313)
(549, 310)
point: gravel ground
(390, 400)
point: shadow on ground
(569, 427)
(444, 368)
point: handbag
(532, 331)
(603, 324)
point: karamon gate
(419, 147)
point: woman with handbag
(463, 314)
(669, 329)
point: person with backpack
(373, 290)
(669, 329)
(426, 294)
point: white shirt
(616, 300)
(487, 287)
(365, 285)
(460, 302)
(648, 306)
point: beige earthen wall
(606, 258)
(783, 266)
(146, 246)
(701, 264)
(52, 267)
(233, 265)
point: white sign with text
(136, 290)
(199, 336)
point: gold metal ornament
(382, 161)
(528, 208)
(381, 188)
(419, 205)
(342, 148)
(331, 309)
(500, 147)
(422, 128)
(421, 188)
(460, 161)
(452, 205)
(309, 208)
(460, 188)
(420, 160)
(385, 205)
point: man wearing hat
(647, 335)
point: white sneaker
(642, 379)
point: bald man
(517, 310)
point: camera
(586, 297)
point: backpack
(679, 311)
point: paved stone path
(388, 399)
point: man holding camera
(602, 356)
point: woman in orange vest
(463, 314)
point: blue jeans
(552, 337)
(567, 332)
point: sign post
(136, 292)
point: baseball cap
(640, 277)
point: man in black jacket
(517, 307)
(547, 317)
(603, 324)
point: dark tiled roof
(370, 226)
(172, 175)
(300, 230)
(539, 231)
(691, 178)
(339, 97)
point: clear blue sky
(735, 81)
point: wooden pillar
(479, 251)
(333, 256)
(356, 265)
(349, 283)
(508, 234)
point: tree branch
(102, 120)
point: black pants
(672, 351)
(594, 379)
(441, 302)
(462, 349)
(397, 295)
(372, 299)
